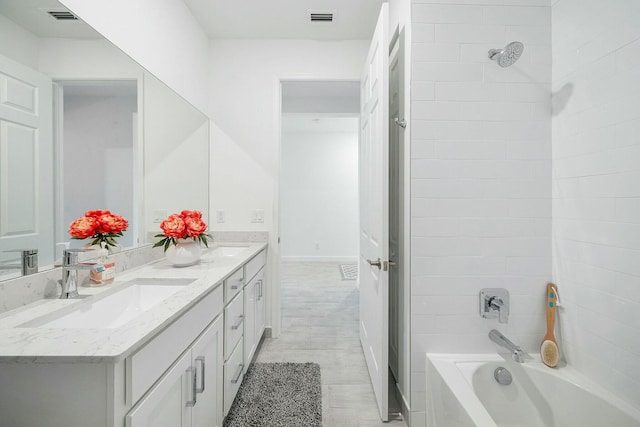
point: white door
(374, 221)
(26, 160)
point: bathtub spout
(517, 353)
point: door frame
(275, 314)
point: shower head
(507, 56)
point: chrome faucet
(494, 302)
(70, 267)
(517, 353)
(28, 262)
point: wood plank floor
(320, 324)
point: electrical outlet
(257, 215)
(220, 215)
(159, 215)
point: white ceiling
(285, 19)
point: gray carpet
(278, 395)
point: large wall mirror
(83, 127)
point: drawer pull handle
(238, 374)
(237, 325)
(202, 377)
(240, 282)
(192, 403)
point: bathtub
(462, 392)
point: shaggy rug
(278, 395)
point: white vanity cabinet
(180, 366)
(254, 305)
(190, 393)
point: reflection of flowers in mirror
(185, 225)
(100, 225)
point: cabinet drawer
(233, 375)
(233, 324)
(254, 265)
(233, 285)
(151, 361)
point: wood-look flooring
(320, 324)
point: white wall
(480, 187)
(166, 40)
(18, 43)
(244, 95)
(596, 188)
(319, 190)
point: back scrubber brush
(549, 348)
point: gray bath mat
(278, 395)
(349, 271)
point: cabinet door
(249, 322)
(207, 362)
(166, 404)
(260, 320)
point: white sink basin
(118, 308)
(225, 251)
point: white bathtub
(462, 392)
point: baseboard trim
(338, 259)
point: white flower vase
(184, 253)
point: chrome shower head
(507, 56)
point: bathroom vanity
(161, 346)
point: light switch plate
(220, 215)
(159, 215)
(257, 215)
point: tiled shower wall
(481, 176)
(596, 188)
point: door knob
(377, 263)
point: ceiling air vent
(62, 15)
(321, 16)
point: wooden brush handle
(552, 300)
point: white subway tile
(467, 266)
(446, 188)
(517, 73)
(465, 33)
(422, 33)
(436, 52)
(529, 92)
(478, 150)
(439, 13)
(517, 131)
(466, 91)
(471, 208)
(447, 130)
(422, 91)
(423, 149)
(446, 246)
(540, 35)
(539, 266)
(530, 208)
(495, 111)
(520, 15)
(435, 110)
(447, 72)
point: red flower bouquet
(186, 224)
(100, 225)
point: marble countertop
(20, 343)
